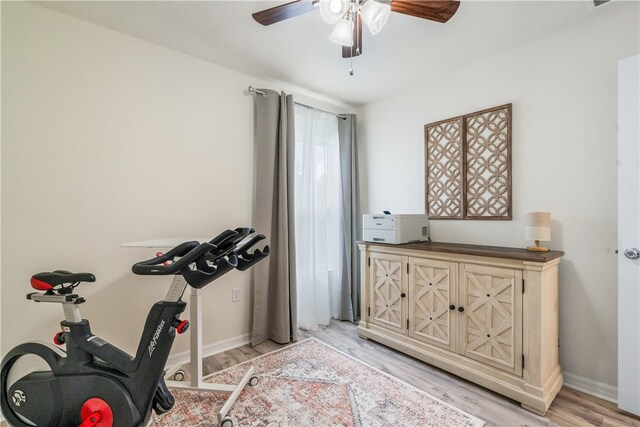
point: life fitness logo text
(154, 339)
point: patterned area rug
(313, 384)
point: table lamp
(537, 227)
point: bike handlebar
(188, 252)
(231, 236)
(201, 264)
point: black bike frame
(139, 375)
(88, 353)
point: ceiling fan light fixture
(375, 15)
(342, 33)
(333, 10)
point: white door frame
(628, 234)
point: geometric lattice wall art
(444, 161)
(468, 166)
(488, 160)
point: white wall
(563, 90)
(109, 139)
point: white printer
(387, 228)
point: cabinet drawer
(379, 222)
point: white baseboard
(594, 388)
(209, 349)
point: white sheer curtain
(318, 217)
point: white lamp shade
(333, 10)
(537, 226)
(343, 33)
(375, 15)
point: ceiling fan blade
(356, 49)
(284, 11)
(433, 10)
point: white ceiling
(406, 52)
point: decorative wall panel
(444, 183)
(468, 166)
(488, 160)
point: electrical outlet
(235, 294)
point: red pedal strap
(96, 413)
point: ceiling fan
(347, 15)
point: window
(318, 217)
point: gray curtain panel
(350, 295)
(274, 280)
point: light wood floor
(570, 408)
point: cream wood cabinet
(486, 314)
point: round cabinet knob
(452, 307)
(632, 253)
(460, 309)
(402, 295)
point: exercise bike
(95, 384)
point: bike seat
(48, 280)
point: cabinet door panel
(491, 330)
(432, 289)
(387, 305)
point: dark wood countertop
(520, 254)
